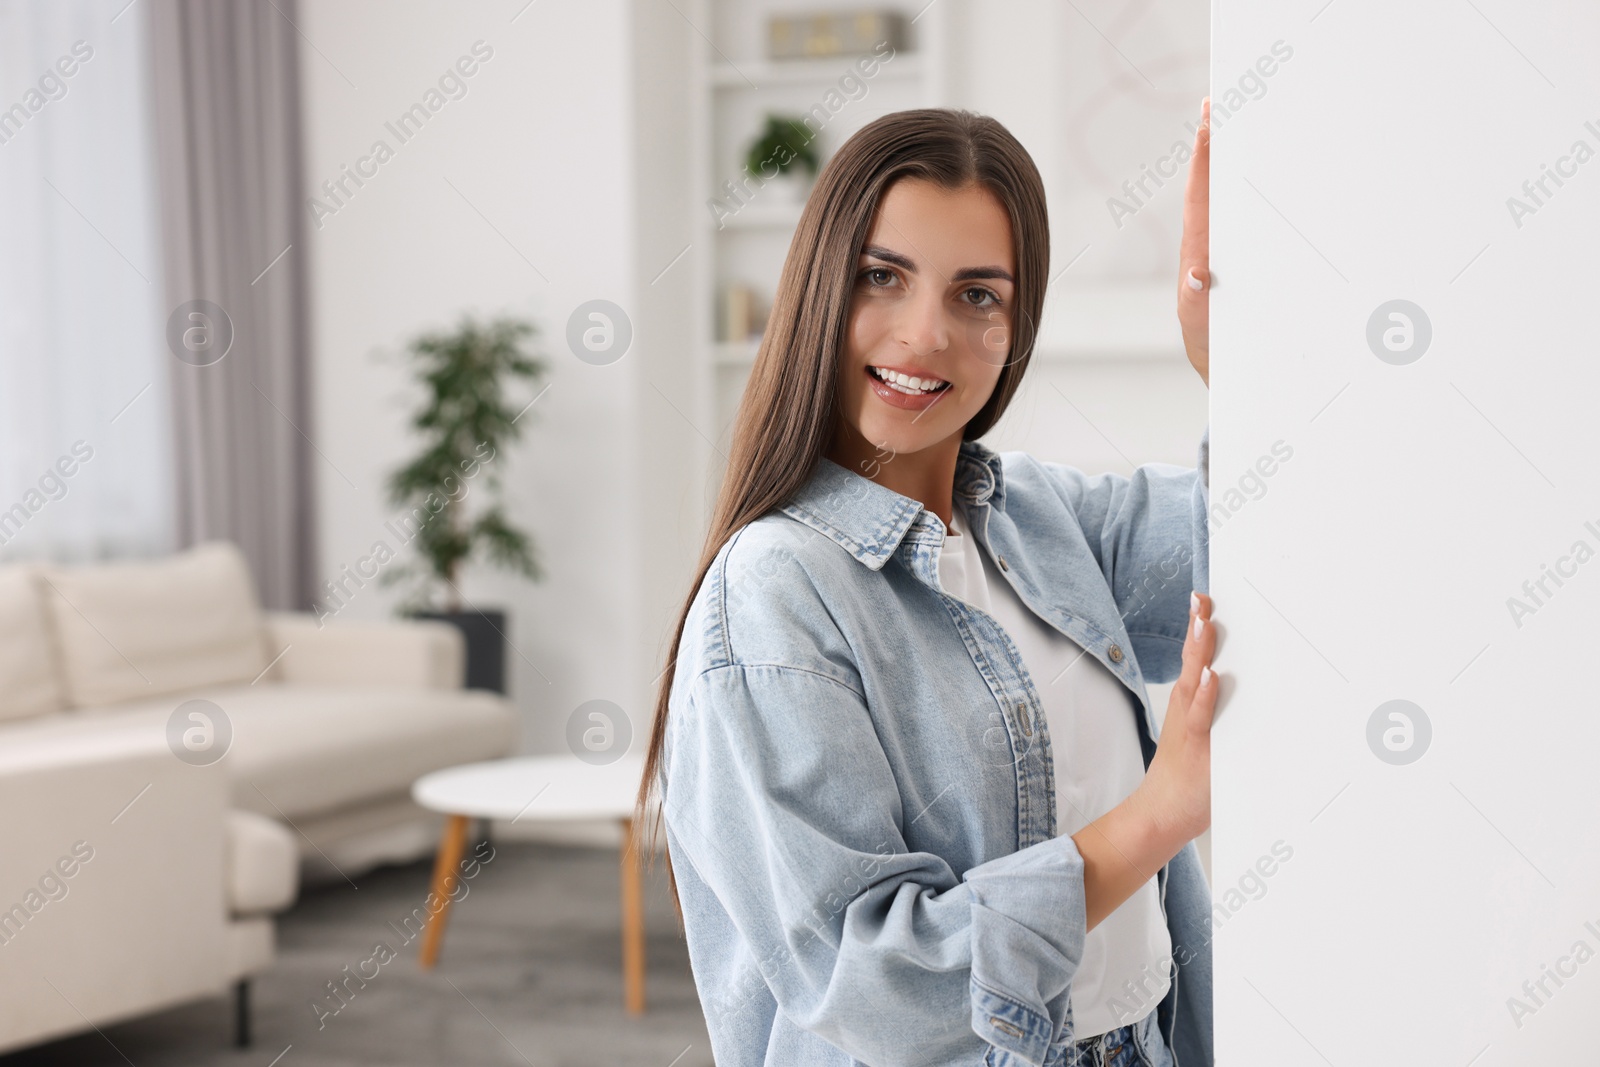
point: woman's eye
(980, 297)
(878, 275)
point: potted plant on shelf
(784, 155)
(465, 421)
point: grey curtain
(232, 207)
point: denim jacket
(857, 785)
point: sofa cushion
(302, 750)
(29, 683)
(135, 629)
(263, 864)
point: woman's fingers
(1177, 785)
(1194, 254)
(1203, 706)
(1198, 682)
(1195, 251)
(1199, 644)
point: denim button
(1116, 653)
(1002, 561)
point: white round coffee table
(552, 788)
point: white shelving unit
(736, 87)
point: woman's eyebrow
(963, 275)
(878, 252)
(966, 274)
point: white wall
(540, 219)
(674, 426)
(1433, 879)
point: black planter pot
(486, 645)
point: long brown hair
(787, 416)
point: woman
(914, 809)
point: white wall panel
(1382, 558)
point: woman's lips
(895, 398)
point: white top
(1089, 718)
(533, 788)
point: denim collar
(870, 520)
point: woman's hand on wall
(1176, 792)
(1194, 258)
(1125, 847)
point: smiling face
(929, 322)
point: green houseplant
(465, 420)
(784, 150)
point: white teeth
(907, 384)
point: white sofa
(136, 874)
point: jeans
(1136, 1045)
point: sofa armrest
(111, 887)
(263, 865)
(421, 653)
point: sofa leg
(241, 1013)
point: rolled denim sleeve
(1151, 535)
(786, 830)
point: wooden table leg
(632, 922)
(444, 875)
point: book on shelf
(744, 314)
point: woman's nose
(923, 328)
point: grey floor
(530, 974)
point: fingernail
(1205, 677)
(1195, 283)
(1199, 626)
(1194, 601)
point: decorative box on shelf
(842, 33)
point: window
(85, 437)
